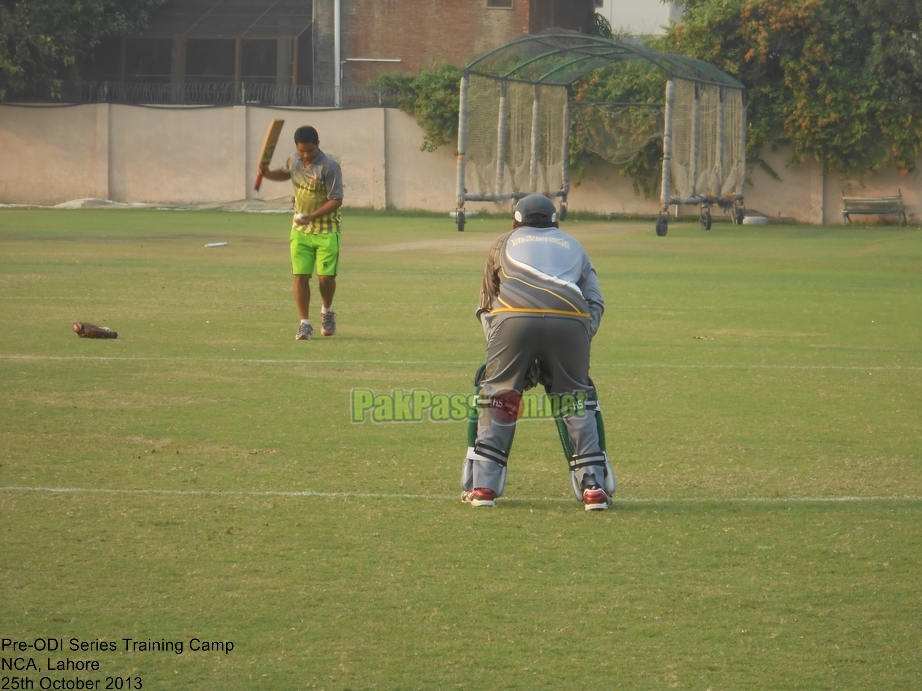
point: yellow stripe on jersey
(528, 310)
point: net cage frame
(701, 101)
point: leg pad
(488, 465)
(595, 470)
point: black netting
(230, 19)
(562, 57)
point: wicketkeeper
(540, 306)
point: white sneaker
(328, 325)
(305, 332)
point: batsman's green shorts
(309, 250)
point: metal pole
(501, 140)
(535, 132)
(696, 118)
(721, 134)
(462, 137)
(565, 164)
(337, 53)
(742, 143)
(667, 142)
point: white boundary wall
(200, 155)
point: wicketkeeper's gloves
(537, 373)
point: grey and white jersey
(541, 271)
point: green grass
(199, 477)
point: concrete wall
(199, 155)
(49, 155)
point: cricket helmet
(535, 210)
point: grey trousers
(515, 341)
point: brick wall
(422, 32)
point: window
(506, 4)
(148, 59)
(105, 62)
(131, 59)
(210, 59)
(259, 60)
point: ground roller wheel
(706, 218)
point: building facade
(213, 41)
(320, 43)
(380, 36)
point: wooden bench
(881, 206)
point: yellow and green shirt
(314, 185)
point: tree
(838, 80)
(629, 136)
(432, 97)
(41, 40)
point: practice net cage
(518, 119)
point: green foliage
(633, 134)
(432, 97)
(644, 170)
(397, 88)
(41, 40)
(840, 80)
(600, 26)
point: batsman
(540, 307)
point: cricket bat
(269, 142)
